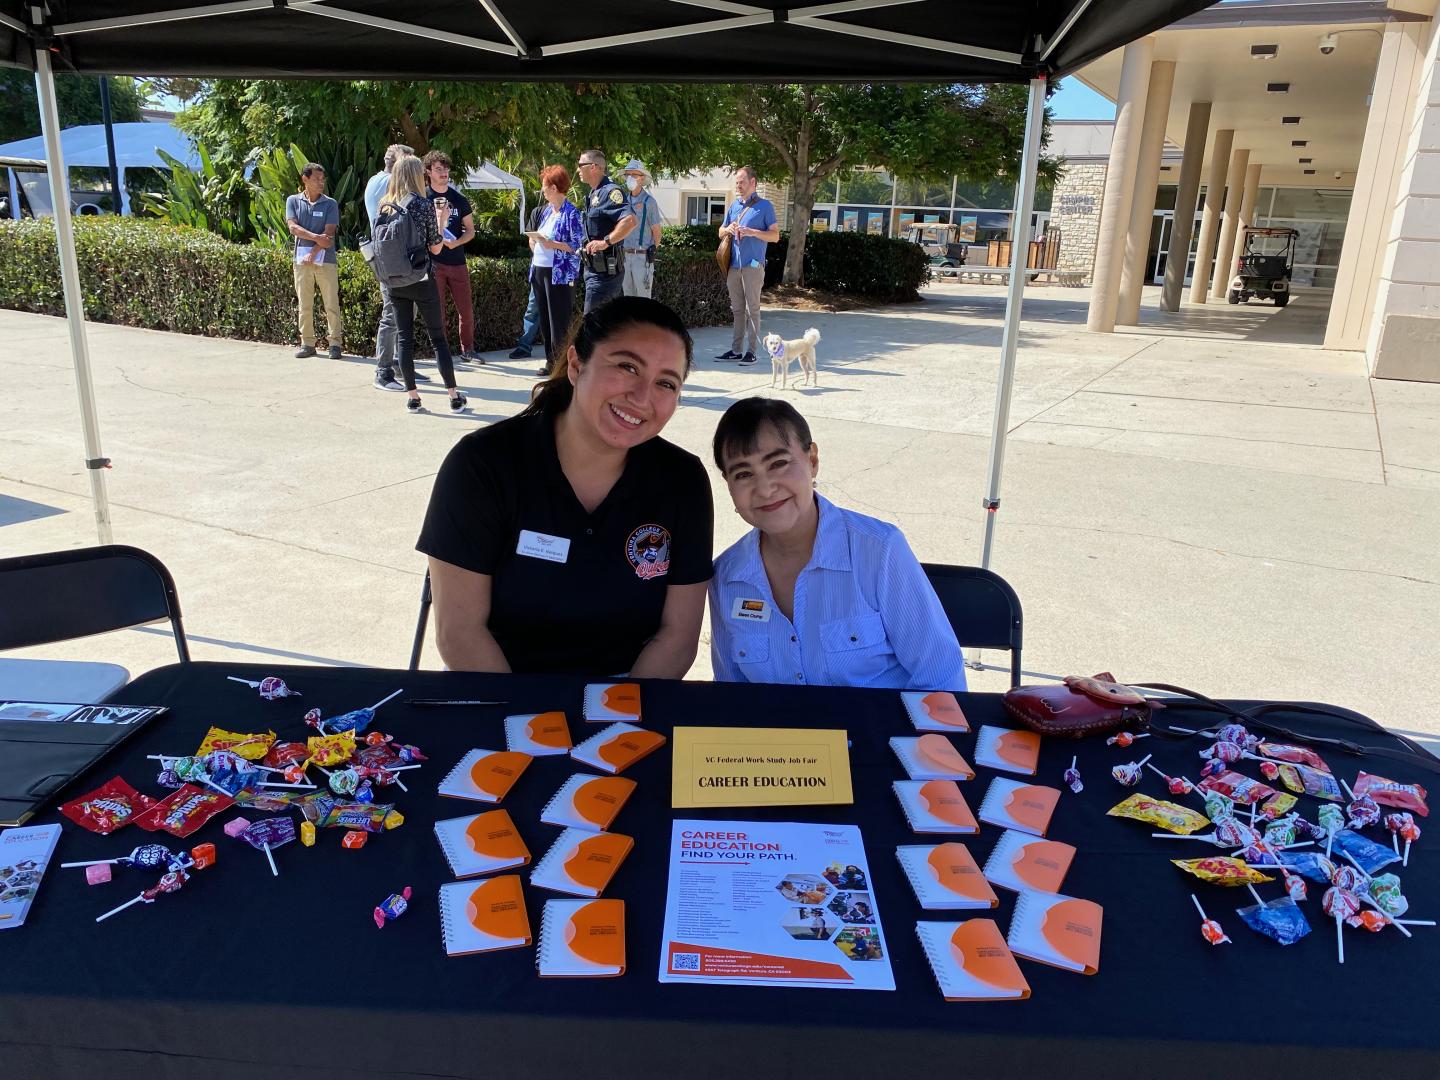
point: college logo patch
(648, 550)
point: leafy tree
(805, 135)
(77, 95)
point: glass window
(991, 225)
(865, 219)
(873, 186)
(917, 193)
(996, 193)
(909, 215)
(1165, 197)
(820, 220)
(704, 209)
(1311, 204)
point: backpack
(400, 254)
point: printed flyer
(766, 903)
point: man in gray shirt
(375, 189)
(313, 219)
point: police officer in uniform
(608, 220)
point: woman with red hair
(555, 260)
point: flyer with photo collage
(767, 903)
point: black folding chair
(420, 624)
(984, 611)
(62, 595)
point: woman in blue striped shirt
(815, 593)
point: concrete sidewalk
(1217, 510)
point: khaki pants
(744, 284)
(327, 276)
(639, 275)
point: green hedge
(143, 273)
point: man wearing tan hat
(640, 245)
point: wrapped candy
(329, 751)
(1362, 851)
(1177, 785)
(1332, 821)
(1072, 777)
(144, 857)
(251, 747)
(349, 815)
(271, 687)
(344, 781)
(355, 721)
(1295, 886)
(1280, 920)
(1350, 878)
(1227, 752)
(1210, 930)
(1384, 889)
(1123, 739)
(283, 755)
(184, 811)
(1269, 770)
(1306, 781)
(1278, 805)
(1281, 833)
(268, 835)
(1169, 816)
(166, 778)
(1308, 864)
(1369, 919)
(1340, 904)
(171, 882)
(1239, 788)
(1392, 793)
(1309, 828)
(1218, 807)
(410, 755)
(1362, 811)
(1299, 755)
(204, 856)
(1213, 767)
(307, 833)
(1237, 734)
(354, 840)
(1129, 775)
(113, 805)
(1402, 827)
(1222, 870)
(392, 907)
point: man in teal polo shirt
(751, 225)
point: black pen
(435, 703)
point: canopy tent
(490, 177)
(137, 146)
(1030, 41)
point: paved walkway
(1217, 510)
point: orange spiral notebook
(1023, 862)
(484, 775)
(1013, 805)
(580, 938)
(1057, 930)
(587, 802)
(538, 734)
(581, 863)
(937, 711)
(481, 843)
(617, 747)
(606, 703)
(945, 877)
(1003, 748)
(484, 916)
(931, 757)
(935, 806)
(971, 961)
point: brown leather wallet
(1079, 707)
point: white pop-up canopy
(490, 177)
(137, 146)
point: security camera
(1338, 174)
(1327, 44)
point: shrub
(151, 274)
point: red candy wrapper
(1233, 785)
(284, 754)
(1392, 793)
(184, 811)
(1298, 755)
(113, 805)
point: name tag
(540, 546)
(754, 610)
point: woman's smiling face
(630, 387)
(772, 485)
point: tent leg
(1009, 343)
(74, 298)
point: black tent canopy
(721, 41)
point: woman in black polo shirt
(571, 537)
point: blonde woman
(406, 195)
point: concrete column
(1119, 185)
(1142, 201)
(1382, 159)
(1404, 341)
(1210, 219)
(1183, 227)
(1249, 195)
(1229, 224)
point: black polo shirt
(571, 591)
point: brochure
(24, 855)
(765, 903)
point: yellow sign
(738, 766)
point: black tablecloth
(245, 974)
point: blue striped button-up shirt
(865, 615)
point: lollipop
(1402, 826)
(1237, 734)
(1280, 920)
(355, 721)
(1129, 775)
(1123, 739)
(1209, 929)
(1223, 751)
(344, 781)
(1072, 777)
(1332, 821)
(1362, 810)
(270, 687)
(269, 834)
(1384, 889)
(144, 857)
(1218, 807)
(1295, 886)
(1178, 785)
(1269, 770)
(1340, 904)
(171, 882)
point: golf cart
(1264, 266)
(941, 242)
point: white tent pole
(14, 194)
(1010, 341)
(95, 464)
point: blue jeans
(531, 330)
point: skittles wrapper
(113, 805)
(1279, 920)
(184, 811)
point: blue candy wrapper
(1368, 855)
(1279, 920)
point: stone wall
(1075, 211)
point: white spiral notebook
(1057, 930)
(538, 734)
(931, 757)
(971, 961)
(582, 938)
(606, 703)
(482, 916)
(581, 863)
(945, 877)
(481, 843)
(587, 802)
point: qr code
(685, 961)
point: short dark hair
(436, 157)
(553, 396)
(739, 429)
(748, 170)
(311, 167)
(394, 152)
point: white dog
(801, 349)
